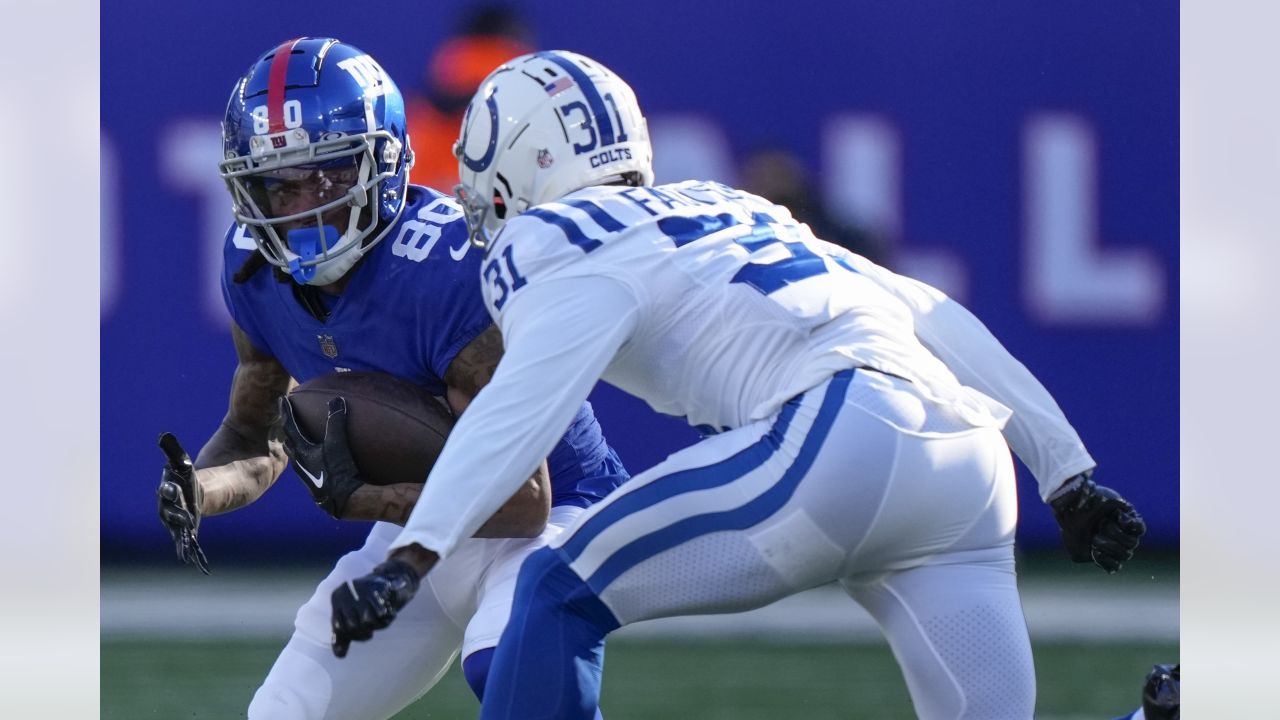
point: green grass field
(643, 680)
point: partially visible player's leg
(496, 587)
(476, 670)
(958, 632)
(936, 570)
(721, 526)
(377, 678)
(748, 517)
(549, 662)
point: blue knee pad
(550, 659)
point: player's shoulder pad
(237, 242)
(545, 239)
(431, 233)
(238, 246)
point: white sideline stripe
(173, 605)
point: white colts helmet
(540, 127)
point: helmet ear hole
(499, 205)
(500, 202)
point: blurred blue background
(1022, 156)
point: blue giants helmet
(316, 156)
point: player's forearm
(233, 471)
(388, 503)
(1038, 432)
(552, 361)
(524, 515)
(234, 485)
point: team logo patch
(484, 161)
(545, 159)
(328, 346)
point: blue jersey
(409, 307)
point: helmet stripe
(275, 84)
(596, 102)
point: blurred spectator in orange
(778, 175)
(490, 35)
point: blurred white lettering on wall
(189, 155)
(862, 186)
(109, 267)
(1068, 277)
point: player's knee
(297, 688)
(475, 668)
(538, 581)
(295, 698)
(278, 703)
(548, 587)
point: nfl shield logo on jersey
(328, 346)
(545, 159)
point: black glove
(326, 467)
(371, 602)
(1097, 524)
(1161, 694)
(179, 502)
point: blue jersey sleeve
(432, 262)
(464, 317)
(238, 248)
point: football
(395, 429)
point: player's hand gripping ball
(347, 429)
(325, 466)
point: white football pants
(464, 602)
(860, 480)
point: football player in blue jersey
(335, 263)
(858, 423)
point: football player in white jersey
(858, 423)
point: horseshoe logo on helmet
(480, 165)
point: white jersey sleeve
(1038, 432)
(558, 338)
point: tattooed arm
(245, 455)
(524, 515)
(472, 368)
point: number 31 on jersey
(501, 275)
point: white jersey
(740, 307)
(716, 305)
